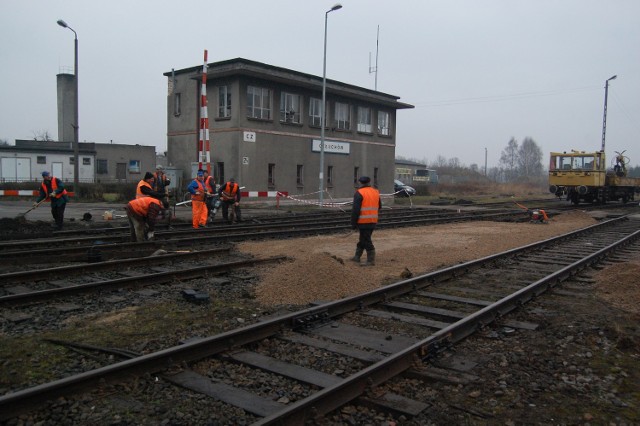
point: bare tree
(42, 135)
(529, 159)
(509, 159)
(4, 142)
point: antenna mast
(375, 69)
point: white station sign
(332, 147)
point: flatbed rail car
(584, 177)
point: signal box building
(264, 127)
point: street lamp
(75, 124)
(604, 119)
(324, 101)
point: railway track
(113, 243)
(395, 330)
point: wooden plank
(248, 401)
(380, 341)
(397, 403)
(440, 296)
(426, 310)
(293, 371)
(337, 348)
(407, 318)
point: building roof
(410, 163)
(240, 66)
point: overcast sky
(479, 72)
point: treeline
(519, 163)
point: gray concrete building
(98, 162)
(264, 124)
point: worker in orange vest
(364, 217)
(145, 188)
(230, 197)
(53, 190)
(198, 191)
(142, 214)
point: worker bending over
(142, 214)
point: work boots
(358, 255)
(371, 258)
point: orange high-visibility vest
(370, 204)
(229, 191)
(201, 189)
(54, 187)
(141, 205)
(142, 183)
(210, 183)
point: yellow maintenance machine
(584, 177)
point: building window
(101, 167)
(356, 175)
(224, 102)
(41, 159)
(86, 161)
(383, 123)
(343, 116)
(330, 176)
(271, 179)
(134, 166)
(177, 101)
(258, 103)
(315, 115)
(290, 108)
(299, 174)
(72, 160)
(364, 120)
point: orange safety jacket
(370, 204)
(210, 183)
(201, 189)
(142, 183)
(141, 205)
(229, 191)
(54, 187)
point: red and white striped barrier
(23, 193)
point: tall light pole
(604, 119)
(75, 124)
(324, 101)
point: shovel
(32, 208)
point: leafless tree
(42, 135)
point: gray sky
(478, 71)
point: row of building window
(291, 110)
(42, 159)
(101, 164)
(329, 176)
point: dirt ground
(320, 268)
(578, 368)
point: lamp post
(324, 101)
(604, 119)
(75, 124)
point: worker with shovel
(142, 214)
(52, 190)
(364, 217)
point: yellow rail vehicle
(584, 177)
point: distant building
(98, 162)
(264, 124)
